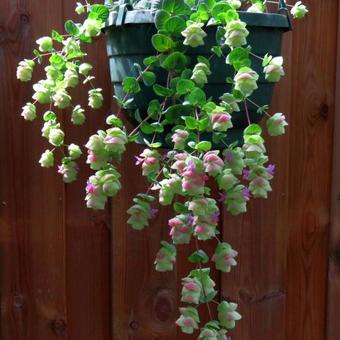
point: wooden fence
(70, 273)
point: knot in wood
(58, 327)
(134, 324)
(324, 110)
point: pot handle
(124, 6)
(283, 9)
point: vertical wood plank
(260, 236)
(333, 326)
(32, 209)
(144, 301)
(311, 142)
(87, 231)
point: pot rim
(138, 17)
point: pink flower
(221, 121)
(213, 164)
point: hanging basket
(129, 35)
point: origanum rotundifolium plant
(241, 172)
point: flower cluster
(200, 73)
(181, 229)
(227, 314)
(205, 217)
(166, 257)
(101, 186)
(224, 257)
(141, 211)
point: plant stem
(247, 112)
(205, 296)
(256, 56)
(258, 106)
(138, 126)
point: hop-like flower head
(62, 99)
(228, 315)
(220, 119)
(115, 141)
(194, 35)
(25, 70)
(181, 229)
(245, 81)
(299, 10)
(213, 164)
(85, 69)
(150, 160)
(92, 27)
(166, 257)
(257, 7)
(200, 73)
(74, 151)
(140, 212)
(78, 117)
(45, 44)
(193, 176)
(234, 160)
(224, 257)
(191, 291)
(274, 70)
(71, 78)
(68, 169)
(96, 98)
(169, 187)
(236, 199)
(189, 320)
(236, 33)
(179, 138)
(260, 187)
(226, 180)
(29, 112)
(56, 137)
(47, 159)
(276, 124)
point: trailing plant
(196, 125)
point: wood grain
(311, 141)
(32, 209)
(65, 272)
(144, 301)
(87, 232)
(333, 325)
(260, 236)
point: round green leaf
(253, 129)
(203, 146)
(219, 8)
(184, 86)
(176, 61)
(149, 78)
(162, 43)
(174, 25)
(71, 28)
(99, 12)
(162, 91)
(190, 122)
(199, 256)
(160, 18)
(238, 58)
(131, 85)
(176, 7)
(197, 97)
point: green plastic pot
(129, 41)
